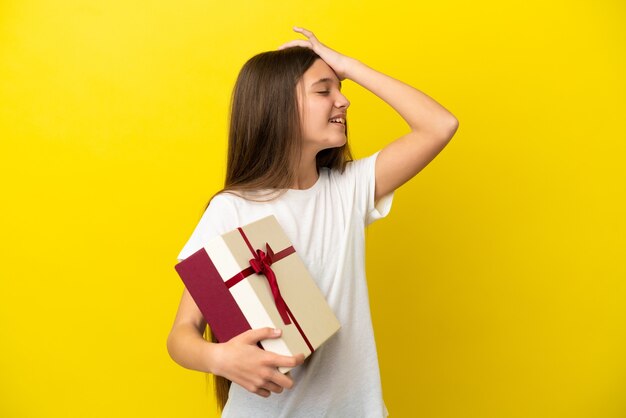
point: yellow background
(497, 281)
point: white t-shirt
(326, 225)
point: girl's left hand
(338, 62)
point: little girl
(288, 156)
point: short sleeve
(380, 209)
(219, 217)
(363, 173)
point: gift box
(252, 277)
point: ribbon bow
(261, 265)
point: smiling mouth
(339, 121)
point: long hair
(265, 136)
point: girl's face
(322, 108)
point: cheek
(320, 114)
(316, 116)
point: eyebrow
(326, 80)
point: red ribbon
(261, 264)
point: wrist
(351, 64)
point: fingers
(305, 32)
(263, 392)
(270, 380)
(278, 360)
(270, 387)
(255, 335)
(274, 380)
(282, 380)
(297, 42)
(300, 42)
(274, 361)
(256, 369)
(273, 387)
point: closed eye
(324, 92)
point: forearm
(421, 112)
(189, 349)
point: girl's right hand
(241, 361)
(337, 61)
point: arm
(432, 126)
(185, 343)
(239, 359)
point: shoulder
(225, 201)
(358, 168)
(220, 213)
(219, 217)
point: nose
(341, 101)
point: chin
(334, 141)
(338, 143)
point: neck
(307, 174)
